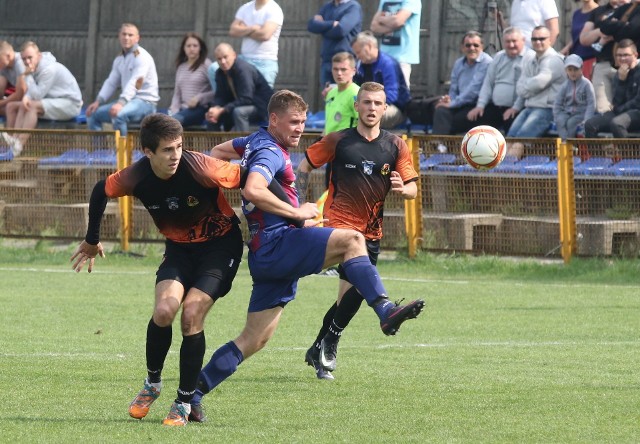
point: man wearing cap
(625, 115)
(576, 100)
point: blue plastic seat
(447, 167)
(102, 157)
(436, 159)
(532, 161)
(549, 167)
(593, 166)
(317, 120)
(74, 156)
(136, 155)
(627, 167)
(6, 154)
(508, 165)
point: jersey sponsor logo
(386, 169)
(367, 166)
(192, 201)
(349, 165)
(153, 207)
(172, 203)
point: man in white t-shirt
(527, 14)
(259, 23)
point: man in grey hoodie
(541, 79)
(52, 92)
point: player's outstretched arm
(86, 252)
(225, 151)
(91, 246)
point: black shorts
(209, 266)
(373, 249)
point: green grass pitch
(505, 351)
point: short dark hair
(158, 126)
(285, 100)
(625, 43)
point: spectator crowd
(587, 87)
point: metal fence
(582, 196)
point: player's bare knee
(192, 319)
(163, 315)
(355, 244)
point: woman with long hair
(192, 92)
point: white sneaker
(9, 140)
(13, 142)
(16, 148)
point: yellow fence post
(566, 200)
(413, 208)
(125, 204)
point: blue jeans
(133, 112)
(211, 73)
(239, 120)
(531, 122)
(191, 116)
(268, 68)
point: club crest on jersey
(367, 166)
(192, 201)
(386, 169)
(172, 203)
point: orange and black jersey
(360, 177)
(187, 207)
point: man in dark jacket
(376, 66)
(625, 115)
(338, 22)
(242, 93)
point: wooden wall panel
(82, 34)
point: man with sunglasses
(467, 75)
(541, 79)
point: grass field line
(472, 344)
(384, 278)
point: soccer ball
(483, 147)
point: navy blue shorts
(277, 266)
(209, 266)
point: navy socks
(223, 364)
